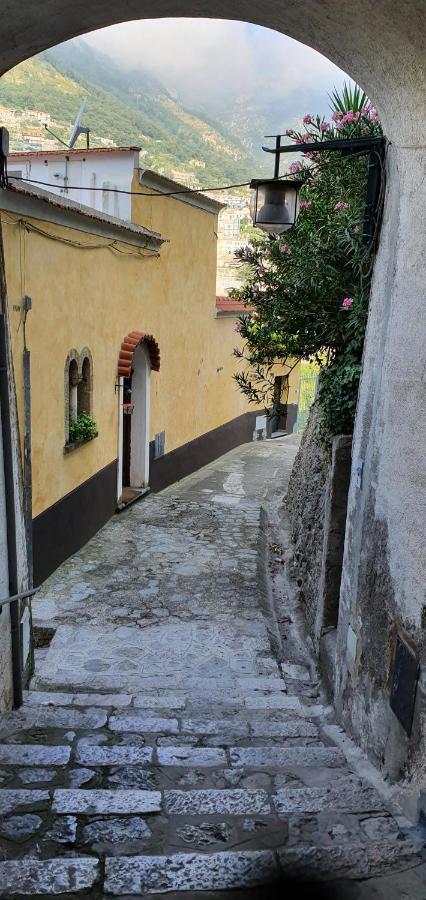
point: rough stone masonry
(174, 740)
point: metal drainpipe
(10, 489)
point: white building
(96, 173)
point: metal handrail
(6, 600)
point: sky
(203, 61)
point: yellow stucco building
(121, 324)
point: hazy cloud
(205, 61)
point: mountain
(128, 107)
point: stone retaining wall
(317, 504)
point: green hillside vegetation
(131, 108)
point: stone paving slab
(286, 728)
(14, 800)
(33, 755)
(112, 756)
(29, 877)
(346, 797)
(45, 717)
(204, 725)
(286, 757)
(186, 756)
(295, 672)
(274, 701)
(235, 802)
(116, 830)
(261, 683)
(91, 802)
(351, 861)
(188, 872)
(162, 700)
(141, 724)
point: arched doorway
(139, 354)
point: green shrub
(307, 292)
(83, 428)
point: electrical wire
(142, 253)
(78, 187)
(199, 190)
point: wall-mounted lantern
(274, 204)
(128, 408)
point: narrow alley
(176, 737)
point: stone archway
(381, 45)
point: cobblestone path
(175, 739)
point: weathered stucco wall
(84, 298)
(383, 588)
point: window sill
(74, 445)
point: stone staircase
(213, 787)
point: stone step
(46, 717)
(60, 698)
(232, 870)
(34, 755)
(347, 796)
(34, 877)
(171, 697)
(103, 802)
(353, 860)
(191, 756)
(277, 723)
(22, 800)
(233, 801)
(95, 755)
(189, 872)
(285, 757)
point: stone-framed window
(78, 386)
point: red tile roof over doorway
(128, 347)
(228, 305)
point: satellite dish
(79, 129)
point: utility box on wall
(159, 444)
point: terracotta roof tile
(128, 347)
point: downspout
(5, 386)
(28, 481)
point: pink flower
(306, 138)
(307, 120)
(289, 132)
(238, 327)
(341, 205)
(337, 116)
(284, 248)
(324, 126)
(305, 204)
(295, 168)
(347, 302)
